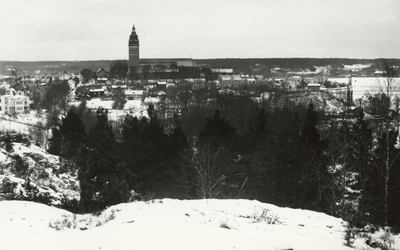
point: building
(133, 45)
(102, 76)
(11, 104)
(96, 92)
(230, 81)
(314, 87)
(158, 68)
(134, 94)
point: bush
(7, 189)
(83, 222)
(266, 216)
(70, 205)
(370, 237)
(20, 166)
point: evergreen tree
(103, 178)
(149, 153)
(73, 135)
(55, 141)
(360, 155)
(119, 99)
(261, 125)
(310, 133)
(217, 131)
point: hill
(239, 64)
(28, 172)
(169, 224)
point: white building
(10, 104)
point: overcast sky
(35, 30)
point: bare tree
(388, 87)
(214, 174)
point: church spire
(133, 39)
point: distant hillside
(243, 65)
(52, 66)
(240, 65)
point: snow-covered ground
(170, 224)
(133, 107)
(43, 170)
(362, 85)
(21, 122)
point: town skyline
(99, 30)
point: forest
(229, 146)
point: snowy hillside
(158, 224)
(169, 224)
(30, 173)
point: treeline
(50, 67)
(229, 146)
(243, 64)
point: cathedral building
(133, 50)
(158, 68)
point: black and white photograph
(200, 124)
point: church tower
(133, 51)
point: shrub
(70, 205)
(82, 222)
(266, 216)
(367, 238)
(7, 189)
(20, 166)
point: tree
(39, 134)
(217, 131)
(209, 170)
(55, 142)
(146, 71)
(378, 104)
(56, 96)
(119, 99)
(88, 74)
(360, 154)
(237, 109)
(103, 178)
(389, 88)
(383, 181)
(340, 168)
(160, 70)
(310, 133)
(148, 152)
(119, 69)
(73, 135)
(211, 165)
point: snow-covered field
(134, 107)
(362, 85)
(21, 122)
(169, 224)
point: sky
(37, 30)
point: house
(293, 82)
(226, 71)
(259, 78)
(215, 72)
(96, 92)
(102, 76)
(162, 85)
(228, 81)
(314, 87)
(250, 80)
(134, 94)
(11, 104)
(46, 80)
